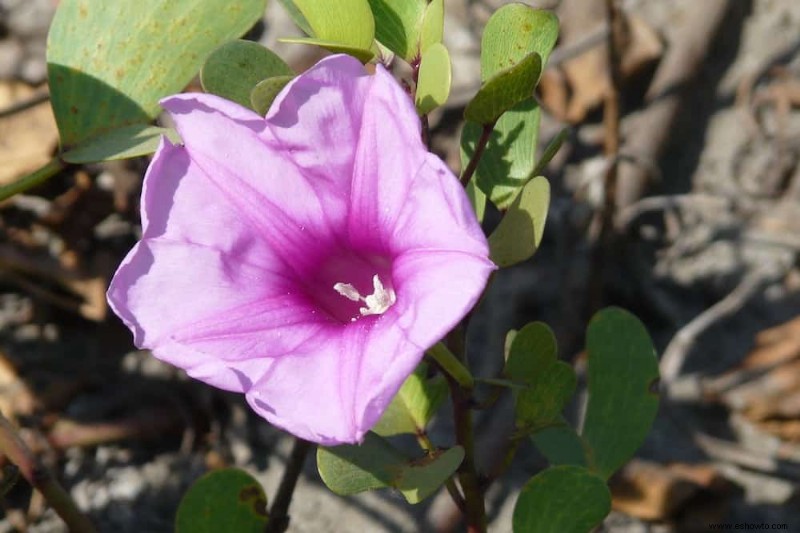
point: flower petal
(337, 393)
(231, 147)
(317, 118)
(401, 194)
(435, 289)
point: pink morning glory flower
(306, 259)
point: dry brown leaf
(582, 83)
(765, 387)
(655, 492)
(15, 396)
(27, 138)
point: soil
(723, 208)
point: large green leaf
(398, 24)
(622, 373)
(519, 233)
(504, 90)
(510, 155)
(362, 54)
(344, 22)
(561, 499)
(297, 17)
(433, 85)
(513, 32)
(549, 383)
(234, 69)
(123, 143)
(350, 469)
(223, 500)
(414, 404)
(109, 63)
(561, 444)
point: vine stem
(33, 179)
(279, 511)
(426, 129)
(12, 446)
(461, 397)
(451, 365)
(480, 147)
(473, 496)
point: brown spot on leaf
(73, 110)
(252, 494)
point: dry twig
(681, 344)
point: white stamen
(348, 291)
(377, 303)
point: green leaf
(561, 499)
(622, 373)
(265, 91)
(414, 404)
(398, 24)
(374, 464)
(109, 63)
(223, 500)
(347, 23)
(350, 469)
(550, 152)
(433, 85)
(560, 444)
(233, 69)
(123, 143)
(509, 159)
(520, 231)
(504, 90)
(512, 33)
(297, 17)
(540, 404)
(362, 54)
(533, 349)
(432, 26)
(533, 361)
(424, 477)
(477, 198)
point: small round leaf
(223, 500)
(432, 26)
(265, 91)
(233, 69)
(520, 231)
(433, 86)
(504, 90)
(397, 25)
(621, 370)
(513, 32)
(561, 499)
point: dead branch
(648, 133)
